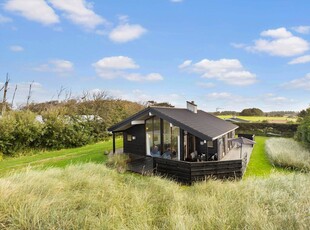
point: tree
(161, 104)
(303, 113)
(303, 131)
(252, 112)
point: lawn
(260, 119)
(259, 164)
(60, 158)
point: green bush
(63, 131)
(268, 129)
(252, 112)
(19, 131)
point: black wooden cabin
(177, 135)
(182, 130)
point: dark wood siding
(137, 145)
(212, 151)
(201, 146)
(188, 172)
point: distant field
(260, 119)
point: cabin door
(189, 145)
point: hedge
(268, 129)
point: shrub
(252, 112)
(303, 131)
(118, 162)
(268, 129)
(62, 131)
(19, 131)
(288, 153)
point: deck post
(113, 142)
(181, 144)
(162, 136)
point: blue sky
(220, 54)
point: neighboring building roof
(201, 124)
(237, 120)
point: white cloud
(118, 66)
(116, 62)
(300, 60)
(34, 10)
(57, 66)
(79, 12)
(274, 100)
(140, 77)
(229, 71)
(281, 43)
(113, 67)
(299, 83)
(16, 48)
(126, 32)
(277, 33)
(4, 19)
(185, 64)
(139, 95)
(302, 29)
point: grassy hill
(91, 196)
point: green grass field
(60, 158)
(260, 119)
(259, 164)
(91, 196)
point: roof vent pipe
(191, 106)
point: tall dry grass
(288, 153)
(92, 196)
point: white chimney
(191, 106)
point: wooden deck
(236, 152)
(231, 166)
(142, 165)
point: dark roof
(201, 124)
(236, 119)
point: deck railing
(188, 172)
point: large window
(153, 138)
(166, 148)
(171, 140)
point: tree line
(256, 112)
(61, 124)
